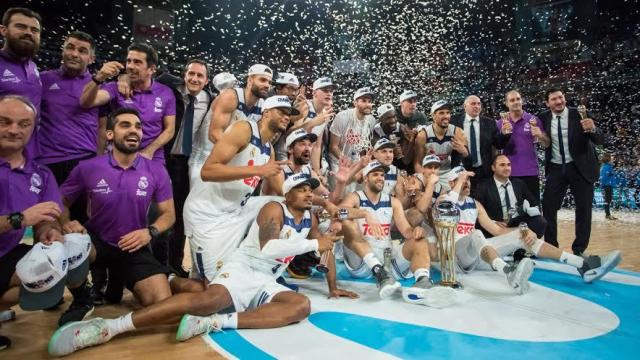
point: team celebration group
(116, 171)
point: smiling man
(154, 102)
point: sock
(119, 325)
(571, 259)
(81, 293)
(229, 321)
(371, 260)
(498, 264)
(537, 245)
(421, 272)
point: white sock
(498, 264)
(571, 259)
(371, 260)
(421, 272)
(120, 325)
(229, 321)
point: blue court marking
(420, 342)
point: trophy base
(451, 284)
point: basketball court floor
(560, 317)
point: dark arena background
(442, 49)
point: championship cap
(299, 179)
(279, 101)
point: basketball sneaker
(191, 326)
(595, 267)
(79, 335)
(518, 275)
(386, 284)
(425, 292)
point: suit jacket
(490, 138)
(581, 144)
(488, 195)
(174, 83)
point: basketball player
(442, 139)
(368, 243)
(246, 281)
(474, 251)
(219, 209)
(238, 103)
(320, 114)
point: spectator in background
(607, 182)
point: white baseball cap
(364, 91)
(383, 143)
(260, 69)
(384, 108)
(408, 94)
(323, 82)
(299, 179)
(287, 79)
(42, 272)
(300, 134)
(431, 159)
(440, 104)
(453, 174)
(77, 247)
(224, 80)
(375, 164)
(279, 101)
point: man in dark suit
(570, 161)
(192, 103)
(483, 136)
(507, 200)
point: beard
(255, 90)
(122, 146)
(23, 49)
(300, 160)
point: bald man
(482, 135)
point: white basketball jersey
(468, 217)
(390, 180)
(383, 212)
(242, 110)
(290, 231)
(288, 171)
(437, 189)
(440, 147)
(208, 199)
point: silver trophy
(446, 216)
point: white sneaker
(518, 275)
(596, 267)
(79, 335)
(424, 292)
(191, 326)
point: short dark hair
(112, 117)
(550, 91)
(152, 54)
(6, 17)
(82, 36)
(496, 156)
(197, 61)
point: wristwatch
(343, 214)
(15, 220)
(95, 80)
(153, 231)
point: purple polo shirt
(119, 198)
(153, 104)
(22, 78)
(520, 149)
(20, 189)
(67, 130)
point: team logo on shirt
(102, 187)
(36, 183)
(287, 234)
(54, 87)
(158, 105)
(143, 183)
(8, 76)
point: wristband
(95, 80)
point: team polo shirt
(19, 77)
(119, 198)
(67, 130)
(521, 150)
(20, 189)
(152, 104)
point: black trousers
(608, 196)
(178, 168)
(61, 171)
(555, 190)
(533, 185)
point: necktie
(507, 200)
(474, 145)
(561, 141)
(187, 129)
